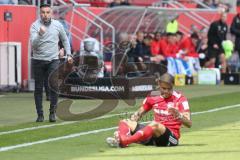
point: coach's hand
(42, 30)
(70, 60)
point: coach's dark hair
(45, 5)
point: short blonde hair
(166, 78)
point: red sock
(123, 129)
(139, 136)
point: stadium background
(215, 107)
(17, 30)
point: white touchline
(2, 149)
(58, 124)
(34, 128)
(55, 139)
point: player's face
(140, 36)
(165, 89)
(194, 41)
(224, 17)
(46, 14)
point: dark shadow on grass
(194, 145)
(220, 130)
(170, 153)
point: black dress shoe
(52, 117)
(40, 118)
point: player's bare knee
(131, 124)
(124, 120)
(161, 128)
(158, 129)
(154, 125)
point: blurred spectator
(165, 3)
(216, 35)
(157, 56)
(155, 45)
(140, 52)
(170, 48)
(202, 47)
(235, 30)
(206, 2)
(45, 1)
(172, 26)
(123, 37)
(125, 3)
(216, 4)
(123, 59)
(147, 48)
(25, 2)
(219, 4)
(194, 29)
(116, 3)
(203, 33)
(190, 55)
(6, 2)
(179, 36)
(137, 49)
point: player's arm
(184, 117)
(138, 114)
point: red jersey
(155, 47)
(188, 45)
(160, 106)
(167, 49)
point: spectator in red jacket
(155, 45)
(170, 49)
(190, 55)
(156, 48)
(168, 46)
(189, 44)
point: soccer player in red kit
(171, 111)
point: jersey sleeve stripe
(185, 105)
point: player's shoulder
(178, 95)
(56, 22)
(154, 95)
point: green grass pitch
(214, 135)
